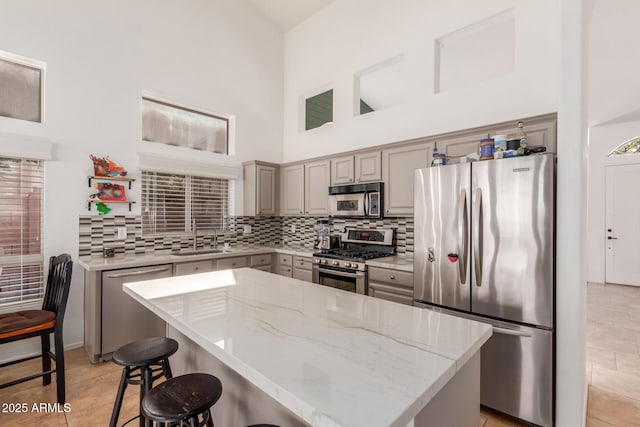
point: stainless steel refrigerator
(484, 249)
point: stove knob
(335, 263)
(347, 264)
(324, 261)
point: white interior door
(623, 224)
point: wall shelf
(110, 178)
(89, 202)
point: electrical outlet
(293, 228)
(246, 229)
(122, 233)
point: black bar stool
(144, 362)
(185, 400)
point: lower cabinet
(302, 268)
(233, 262)
(261, 262)
(285, 265)
(193, 267)
(391, 285)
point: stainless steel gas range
(344, 267)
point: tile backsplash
(97, 232)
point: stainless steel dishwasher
(124, 319)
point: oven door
(350, 281)
(347, 204)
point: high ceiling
(286, 14)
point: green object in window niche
(102, 208)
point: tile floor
(613, 355)
(613, 374)
(91, 390)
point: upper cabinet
(342, 171)
(361, 167)
(292, 190)
(538, 133)
(317, 179)
(261, 188)
(368, 166)
(398, 166)
(542, 133)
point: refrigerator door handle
(463, 237)
(512, 332)
(477, 237)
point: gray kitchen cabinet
(460, 146)
(317, 179)
(285, 265)
(292, 190)
(391, 285)
(233, 262)
(261, 188)
(361, 167)
(398, 166)
(342, 170)
(538, 133)
(261, 262)
(193, 267)
(302, 268)
(368, 166)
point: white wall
(614, 117)
(219, 55)
(351, 35)
(603, 139)
(614, 62)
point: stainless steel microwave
(358, 200)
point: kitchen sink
(199, 252)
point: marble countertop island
(332, 358)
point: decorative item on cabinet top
(106, 175)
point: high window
(170, 203)
(21, 258)
(184, 127)
(21, 88)
(631, 146)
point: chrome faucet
(194, 230)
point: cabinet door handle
(392, 277)
(196, 268)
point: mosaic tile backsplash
(97, 232)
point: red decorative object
(108, 191)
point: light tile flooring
(613, 355)
(613, 374)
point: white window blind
(170, 202)
(21, 258)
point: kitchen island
(293, 353)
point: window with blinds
(170, 202)
(21, 258)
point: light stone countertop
(334, 358)
(394, 262)
(98, 263)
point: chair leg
(167, 368)
(209, 419)
(60, 380)
(119, 396)
(46, 359)
(145, 372)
